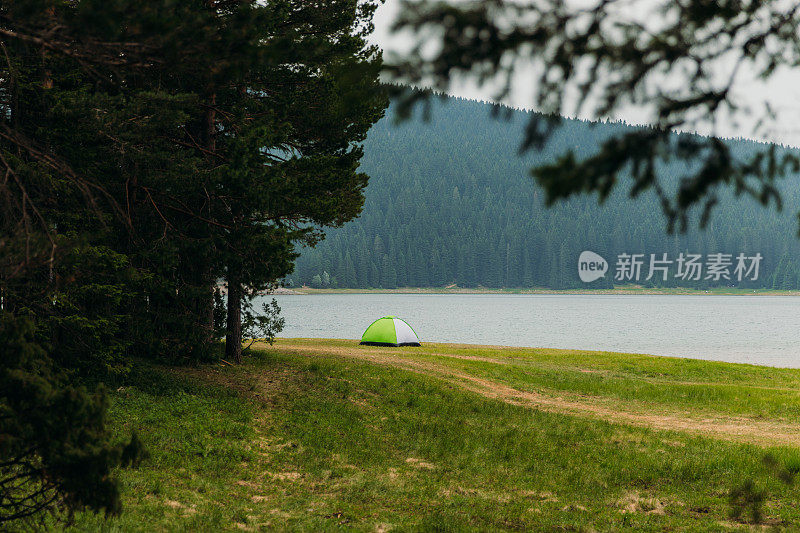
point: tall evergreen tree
(287, 129)
(150, 149)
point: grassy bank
(324, 435)
(625, 289)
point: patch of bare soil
(419, 463)
(634, 503)
(740, 429)
(186, 509)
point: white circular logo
(591, 266)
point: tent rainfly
(390, 331)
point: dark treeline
(451, 202)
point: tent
(390, 331)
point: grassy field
(328, 435)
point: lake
(742, 329)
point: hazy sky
(781, 92)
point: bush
(55, 452)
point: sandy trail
(741, 429)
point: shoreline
(626, 290)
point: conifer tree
(289, 123)
(150, 149)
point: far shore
(627, 289)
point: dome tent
(390, 331)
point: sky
(781, 93)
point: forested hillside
(450, 201)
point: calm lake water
(743, 329)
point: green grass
(665, 383)
(296, 440)
(676, 384)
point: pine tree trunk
(211, 125)
(233, 327)
(207, 308)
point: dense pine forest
(450, 201)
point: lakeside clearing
(627, 289)
(314, 434)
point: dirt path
(740, 429)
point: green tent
(390, 331)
